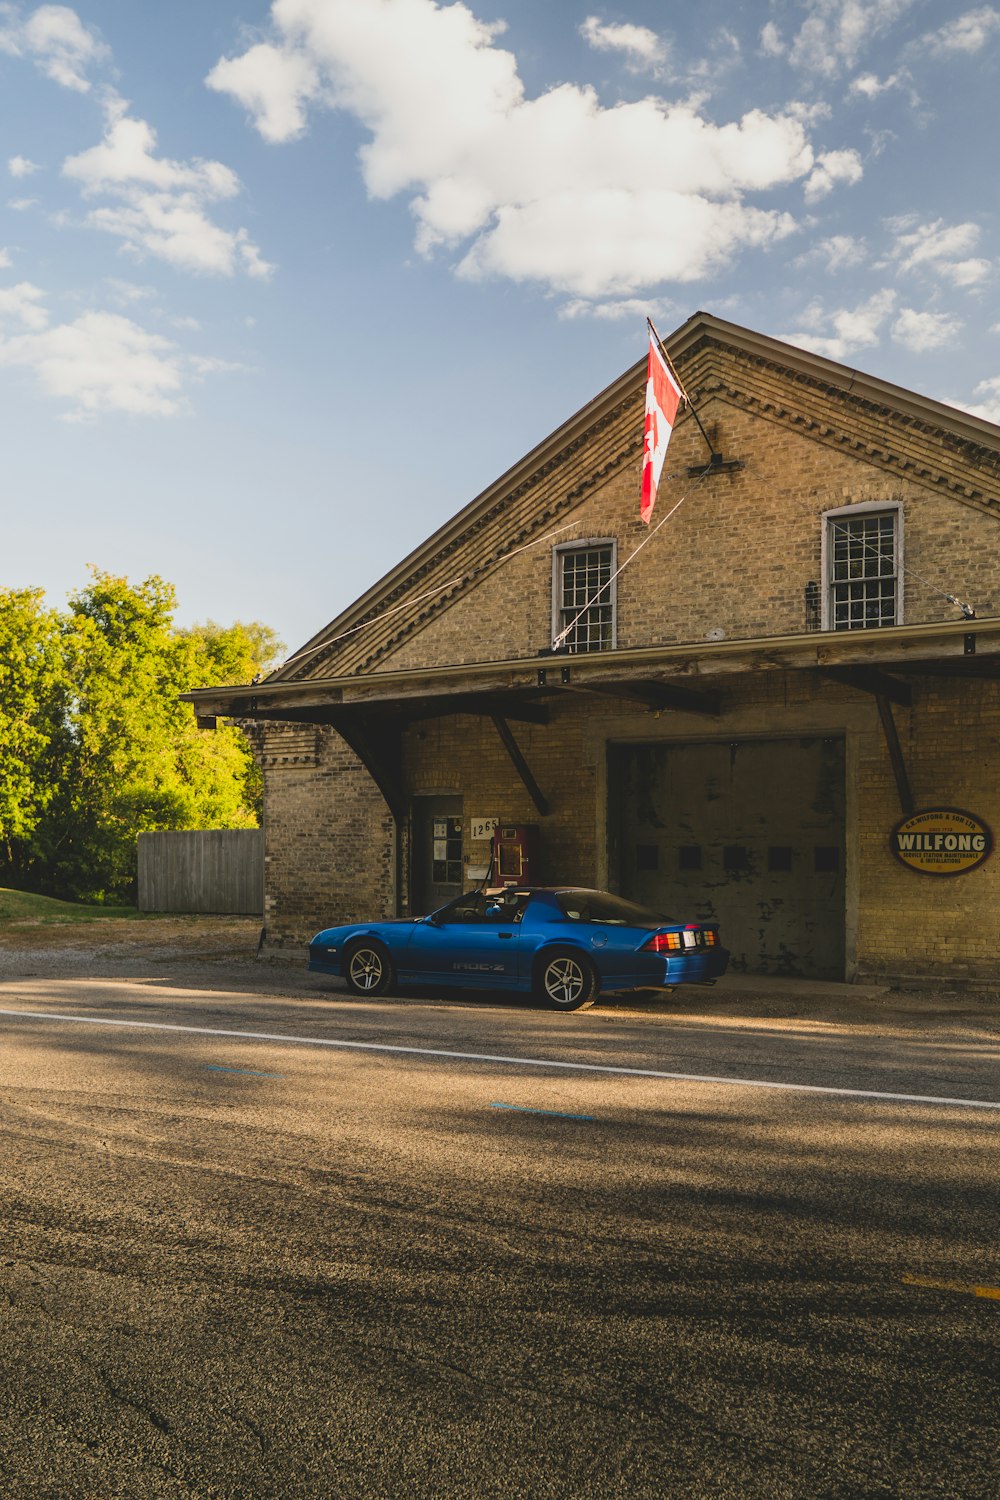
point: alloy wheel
(366, 968)
(564, 981)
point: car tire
(368, 968)
(565, 980)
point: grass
(23, 906)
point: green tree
(134, 760)
(34, 697)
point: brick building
(743, 716)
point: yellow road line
(954, 1286)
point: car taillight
(711, 936)
(664, 942)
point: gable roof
(884, 425)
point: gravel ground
(222, 952)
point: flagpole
(716, 457)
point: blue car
(562, 944)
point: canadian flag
(663, 397)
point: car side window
(468, 908)
(511, 905)
(474, 906)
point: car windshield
(611, 911)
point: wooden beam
(379, 750)
(487, 704)
(960, 667)
(397, 711)
(873, 680)
(520, 764)
(657, 695)
(895, 754)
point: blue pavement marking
(250, 1072)
(524, 1110)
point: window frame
(847, 512)
(584, 544)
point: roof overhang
(695, 669)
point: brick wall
(736, 556)
(328, 836)
(921, 925)
(330, 844)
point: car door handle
(505, 934)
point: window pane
(863, 571)
(585, 575)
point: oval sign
(941, 841)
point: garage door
(750, 833)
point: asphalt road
(241, 1267)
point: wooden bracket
(521, 766)
(379, 749)
(895, 754)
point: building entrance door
(749, 833)
(438, 871)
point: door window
(446, 851)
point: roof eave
(850, 380)
(692, 660)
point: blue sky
(282, 287)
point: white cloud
(836, 32)
(870, 85)
(837, 334)
(160, 205)
(831, 168)
(634, 308)
(273, 85)
(174, 228)
(969, 33)
(642, 47)
(989, 409)
(839, 252)
(57, 41)
(920, 331)
(101, 362)
(5, 260)
(968, 273)
(128, 292)
(210, 364)
(126, 157)
(21, 205)
(939, 248)
(771, 42)
(808, 114)
(23, 304)
(253, 262)
(589, 200)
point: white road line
(490, 1057)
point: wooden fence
(211, 870)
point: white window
(862, 573)
(583, 595)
